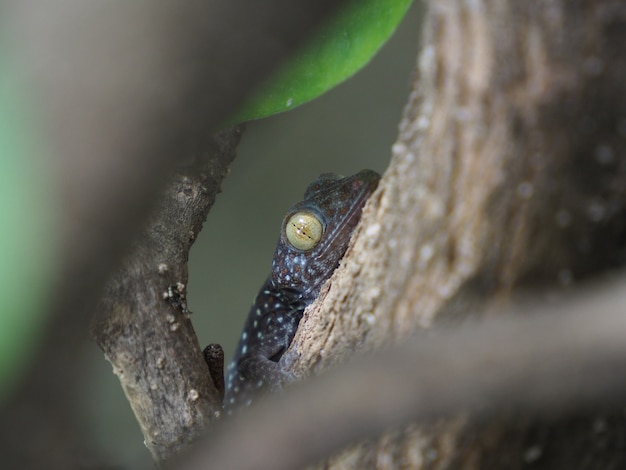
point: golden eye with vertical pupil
(304, 230)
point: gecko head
(316, 231)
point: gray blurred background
(350, 128)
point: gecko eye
(304, 230)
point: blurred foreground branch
(124, 90)
(564, 357)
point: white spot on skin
(174, 327)
(259, 335)
(259, 384)
(256, 323)
(193, 394)
(244, 349)
(160, 362)
(244, 336)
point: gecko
(314, 237)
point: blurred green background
(350, 128)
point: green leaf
(339, 50)
(27, 238)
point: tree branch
(144, 326)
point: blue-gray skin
(294, 283)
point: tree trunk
(508, 178)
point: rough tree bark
(143, 324)
(508, 176)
